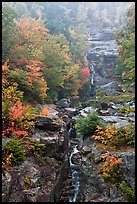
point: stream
(75, 176)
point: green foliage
(126, 44)
(119, 68)
(129, 191)
(8, 30)
(88, 125)
(15, 148)
(124, 97)
(36, 149)
(45, 64)
(125, 109)
(89, 103)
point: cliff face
(103, 55)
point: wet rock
(111, 89)
(86, 149)
(70, 111)
(45, 123)
(31, 194)
(96, 154)
(119, 121)
(84, 112)
(102, 105)
(38, 135)
(5, 140)
(128, 164)
(18, 196)
(6, 180)
(63, 103)
(119, 199)
(31, 181)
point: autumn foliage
(113, 136)
(26, 60)
(36, 66)
(15, 115)
(110, 167)
(85, 72)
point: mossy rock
(89, 103)
(119, 98)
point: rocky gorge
(69, 166)
(67, 172)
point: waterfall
(92, 79)
(75, 185)
(74, 152)
(92, 71)
(75, 177)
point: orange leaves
(31, 29)
(27, 57)
(106, 136)
(16, 111)
(20, 133)
(5, 68)
(110, 168)
(45, 112)
(85, 72)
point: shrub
(125, 109)
(124, 97)
(88, 125)
(110, 168)
(13, 152)
(35, 148)
(129, 192)
(27, 182)
(115, 136)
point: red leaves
(85, 72)
(16, 111)
(20, 133)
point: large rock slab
(45, 123)
(84, 112)
(111, 89)
(70, 111)
(118, 121)
(128, 164)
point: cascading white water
(75, 185)
(92, 74)
(74, 152)
(75, 177)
